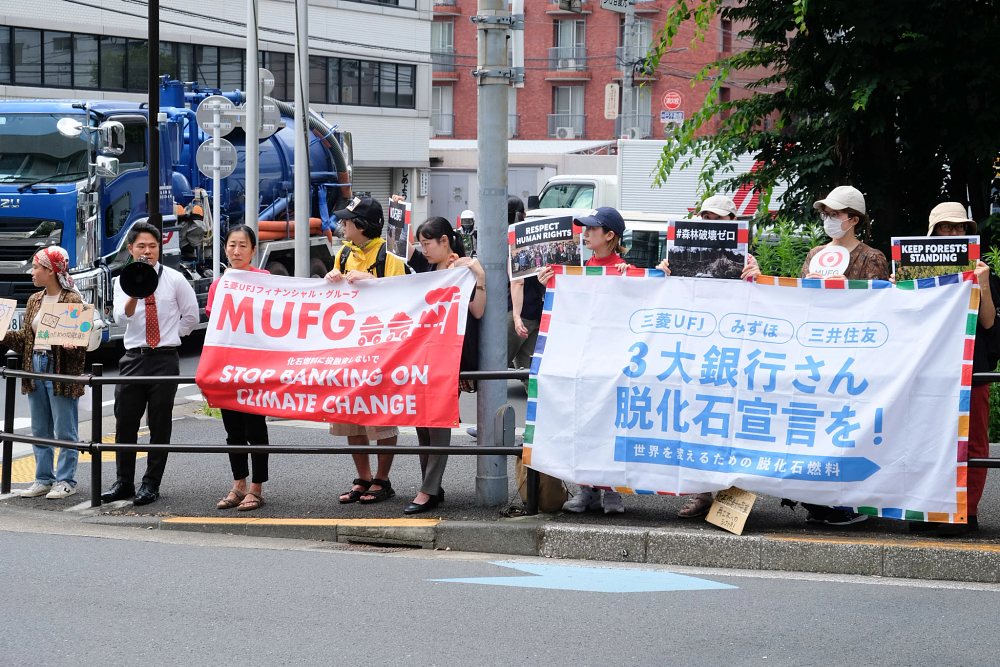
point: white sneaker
(586, 499)
(36, 489)
(61, 490)
(612, 503)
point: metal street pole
(252, 122)
(494, 76)
(153, 84)
(302, 199)
(216, 199)
(628, 118)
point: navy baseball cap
(606, 216)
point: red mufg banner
(382, 352)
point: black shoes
(147, 494)
(118, 491)
(414, 508)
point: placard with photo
(930, 256)
(397, 229)
(543, 241)
(707, 248)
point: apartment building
(370, 70)
(569, 59)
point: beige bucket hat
(718, 204)
(950, 211)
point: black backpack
(379, 262)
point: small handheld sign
(830, 261)
(543, 241)
(731, 509)
(397, 230)
(8, 308)
(930, 256)
(707, 248)
(62, 323)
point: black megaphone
(139, 279)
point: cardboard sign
(65, 323)
(830, 261)
(543, 241)
(707, 248)
(731, 509)
(930, 256)
(397, 230)
(8, 307)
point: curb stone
(886, 557)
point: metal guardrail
(96, 380)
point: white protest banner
(843, 393)
(381, 352)
(541, 242)
(62, 323)
(707, 248)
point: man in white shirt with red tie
(153, 330)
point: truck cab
(580, 192)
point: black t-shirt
(470, 346)
(531, 304)
(987, 350)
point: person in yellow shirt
(363, 257)
(364, 248)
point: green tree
(896, 97)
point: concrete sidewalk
(302, 503)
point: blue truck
(84, 189)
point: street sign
(620, 6)
(611, 101)
(672, 100)
(206, 115)
(270, 119)
(671, 117)
(266, 81)
(206, 158)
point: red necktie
(152, 322)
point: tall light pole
(251, 126)
(303, 201)
(153, 84)
(494, 76)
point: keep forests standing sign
(382, 352)
(842, 393)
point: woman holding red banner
(442, 248)
(242, 428)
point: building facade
(569, 59)
(370, 70)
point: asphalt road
(121, 596)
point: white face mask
(834, 227)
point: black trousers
(131, 401)
(246, 429)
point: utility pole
(494, 77)
(303, 201)
(629, 119)
(153, 84)
(251, 124)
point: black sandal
(384, 493)
(354, 495)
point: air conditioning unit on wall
(565, 133)
(636, 133)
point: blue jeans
(52, 417)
